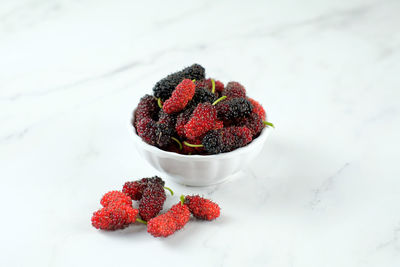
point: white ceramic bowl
(198, 170)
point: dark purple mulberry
(164, 88)
(226, 139)
(152, 201)
(253, 122)
(146, 129)
(233, 90)
(234, 108)
(135, 189)
(147, 108)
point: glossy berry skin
(154, 133)
(146, 129)
(253, 122)
(234, 108)
(147, 108)
(202, 120)
(180, 97)
(165, 128)
(201, 96)
(219, 86)
(152, 201)
(163, 134)
(226, 139)
(181, 120)
(233, 90)
(114, 217)
(161, 226)
(258, 109)
(202, 208)
(181, 215)
(207, 84)
(166, 224)
(115, 197)
(165, 118)
(218, 125)
(135, 189)
(163, 89)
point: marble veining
(324, 191)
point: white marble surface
(325, 191)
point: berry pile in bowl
(196, 130)
(189, 114)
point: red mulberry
(180, 97)
(114, 217)
(202, 208)
(164, 88)
(202, 120)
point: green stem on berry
(159, 102)
(269, 124)
(213, 86)
(141, 221)
(193, 80)
(182, 198)
(191, 145)
(170, 190)
(219, 100)
(178, 142)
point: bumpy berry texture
(253, 122)
(226, 139)
(203, 119)
(181, 215)
(218, 125)
(114, 217)
(234, 108)
(181, 120)
(181, 113)
(146, 129)
(115, 197)
(152, 201)
(207, 84)
(201, 96)
(163, 134)
(135, 189)
(165, 128)
(164, 88)
(161, 226)
(166, 224)
(257, 108)
(202, 208)
(147, 108)
(180, 97)
(233, 90)
(219, 86)
(165, 118)
(155, 133)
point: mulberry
(202, 208)
(180, 97)
(226, 139)
(202, 120)
(234, 108)
(164, 88)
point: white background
(324, 192)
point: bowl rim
(153, 149)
